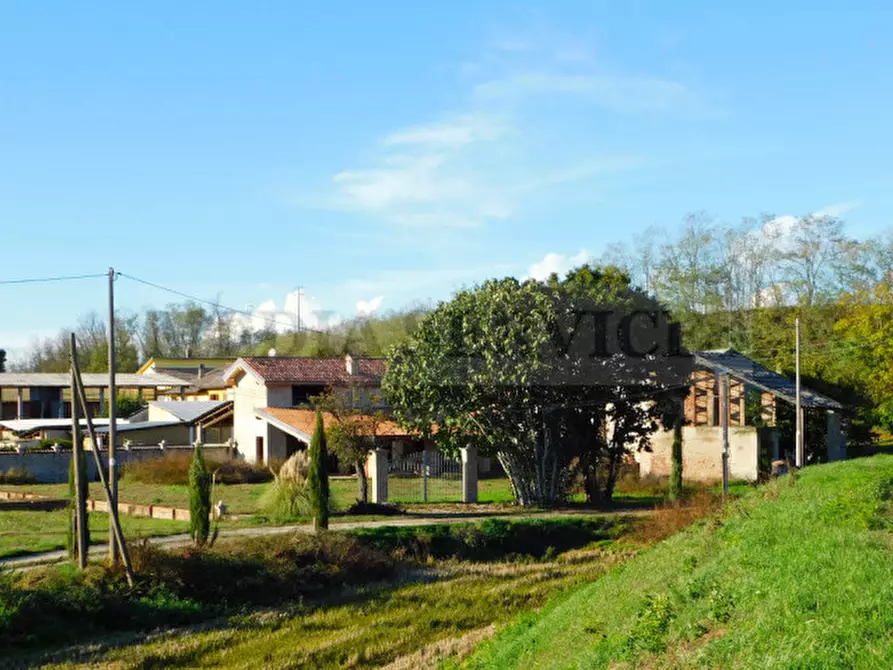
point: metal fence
(425, 476)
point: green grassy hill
(797, 574)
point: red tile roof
(305, 370)
(305, 421)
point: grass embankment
(798, 573)
(345, 600)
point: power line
(217, 305)
(46, 280)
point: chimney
(352, 365)
(201, 370)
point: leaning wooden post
(114, 522)
(78, 463)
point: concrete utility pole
(113, 412)
(799, 455)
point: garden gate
(424, 476)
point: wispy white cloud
(558, 264)
(462, 130)
(838, 208)
(487, 160)
(617, 92)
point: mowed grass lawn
(796, 574)
(24, 532)
(27, 531)
(248, 498)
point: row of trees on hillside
(744, 285)
(189, 328)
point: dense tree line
(190, 329)
(744, 285)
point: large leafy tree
(510, 367)
(867, 327)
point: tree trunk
(590, 484)
(362, 482)
(535, 481)
(614, 458)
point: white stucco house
(270, 396)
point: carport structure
(704, 403)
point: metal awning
(748, 371)
(90, 379)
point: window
(300, 395)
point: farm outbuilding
(754, 441)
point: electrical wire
(216, 305)
(46, 280)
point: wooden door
(259, 450)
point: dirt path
(97, 551)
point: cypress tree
(676, 476)
(199, 497)
(318, 476)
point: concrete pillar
(377, 469)
(469, 474)
(20, 404)
(835, 439)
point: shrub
(199, 498)
(289, 498)
(652, 625)
(378, 509)
(173, 469)
(239, 472)
(17, 476)
(491, 539)
(671, 517)
(263, 571)
(49, 442)
(167, 469)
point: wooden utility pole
(81, 538)
(114, 521)
(724, 422)
(113, 416)
(799, 455)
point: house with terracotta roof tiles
(270, 395)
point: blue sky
(378, 154)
